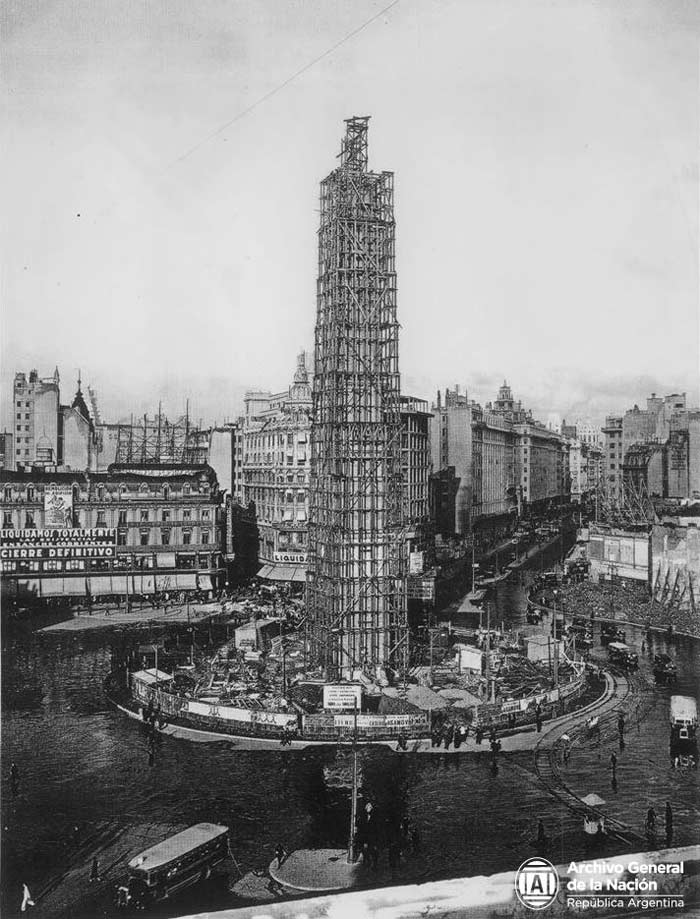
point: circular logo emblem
(536, 883)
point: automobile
(665, 671)
(620, 654)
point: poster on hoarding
(58, 505)
(415, 563)
(342, 696)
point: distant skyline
(546, 194)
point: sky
(162, 163)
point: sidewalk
(526, 739)
(110, 618)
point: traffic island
(319, 870)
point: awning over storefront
(166, 559)
(27, 588)
(186, 581)
(144, 584)
(99, 586)
(119, 584)
(295, 573)
(52, 587)
(165, 582)
(75, 586)
(205, 582)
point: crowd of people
(628, 603)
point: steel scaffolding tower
(356, 589)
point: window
(144, 516)
(187, 537)
(19, 417)
(165, 537)
(52, 565)
(8, 493)
(30, 493)
(100, 492)
(166, 492)
(143, 541)
(101, 519)
(205, 537)
(29, 520)
(122, 519)
(7, 520)
(121, 537)
(205, 514)
(187, 515)
(166, 516)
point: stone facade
(276, 460)
(135, 530)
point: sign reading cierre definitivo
(342, 696)
(74, 542)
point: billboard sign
(58, 505)
(98, 542)
(290, 558)
(415, 563)
(342, 696)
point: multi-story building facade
(415, 460)
(489, 464)
(613, 457)
(276, 462)
(452, 463)
(130, 532)
(494, 491)
(7, 451)
(46, 433)
(36, 407)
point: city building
(37, 426)
(276, 459)
(494, 484)
(613, 456)
(491, 464)
(225, 456)
(541, 463)
(133, 531)
(452, 463)
(48, 434)
(7, 451)
(356, 590)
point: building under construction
(356, 591)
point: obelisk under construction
(356, 591)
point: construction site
(356, 589)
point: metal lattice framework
(356, 590)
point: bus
(176, 863)
(684, 726)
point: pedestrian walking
(27, 899)
(94, 870)
(621, 724)
(650, 822)
(613, 765)
(415, 841)
(541, 835)
(280, 854)
(669, 824)
(449, 734)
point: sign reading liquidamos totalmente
(98, 542)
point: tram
(177, 862)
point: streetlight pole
(353, 800)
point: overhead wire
(268, 95)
